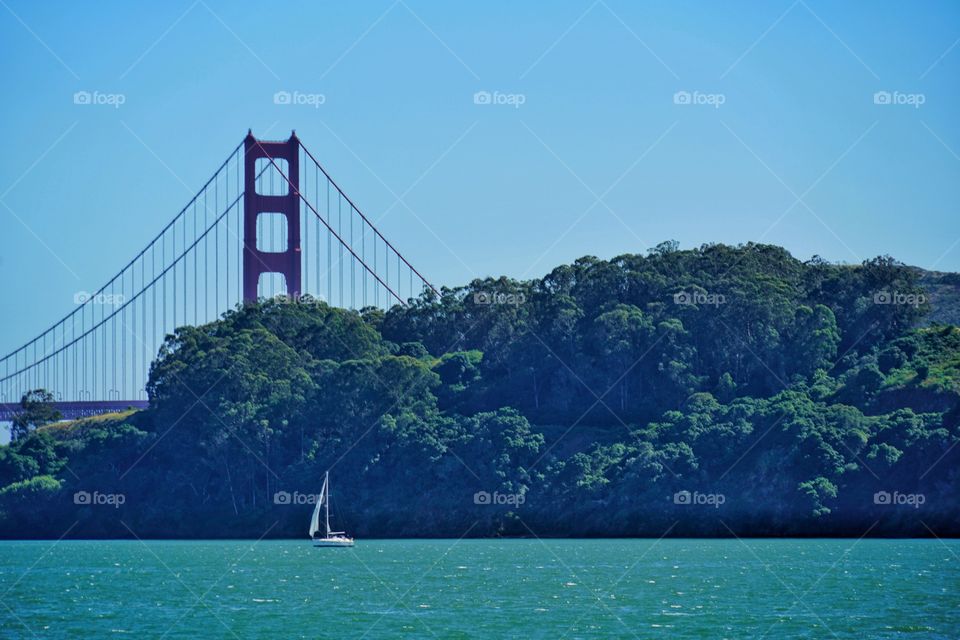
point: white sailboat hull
(333, 542)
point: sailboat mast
(326, 483)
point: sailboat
(328, 538)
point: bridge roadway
(74, 410)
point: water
(482, 589)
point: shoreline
(502, 538)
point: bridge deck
(74, 410)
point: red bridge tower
(255, 261)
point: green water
(482, 589)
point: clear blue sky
(487, 189)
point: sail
(315, 520)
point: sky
(485, 138)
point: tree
(620, 338)
(36, 410)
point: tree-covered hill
(695, 392)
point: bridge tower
(255, 261)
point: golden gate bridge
(270, 222)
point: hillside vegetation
(699, 392)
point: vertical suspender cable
(316, 194)
(93, 350)
(83, 332)
(304, 233)
(329, 252)
(163, 261)
(363, 252)
(103, 327)
(119, 351)
(195, 252)
(173, 273)
(184, 249)
(143, 318)
(216, 252)
(227, 237)
(353, 266)
(340, 233)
